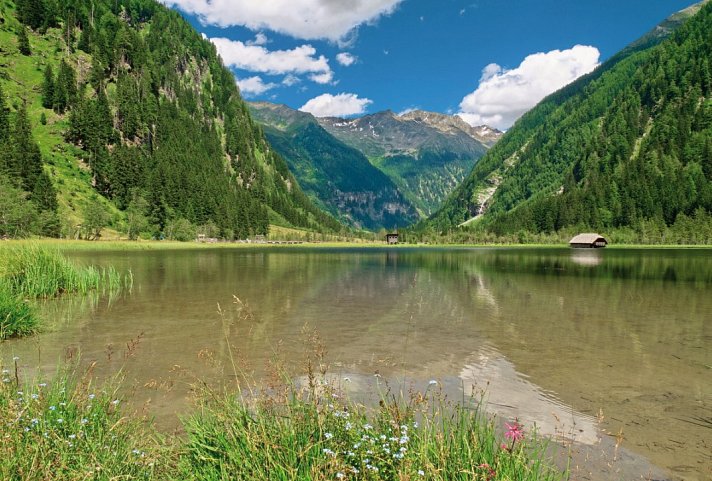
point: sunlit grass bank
(68, 429)
(31, 271)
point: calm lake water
(610, 347)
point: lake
(611, 348)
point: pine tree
(25, 157)
(65, 88)
(23, 41)
(4, 118)
(48, 88)
(32, 13)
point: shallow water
(612, 348)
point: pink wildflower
(514, 431)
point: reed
(17, 317)
(38, 271)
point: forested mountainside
(118, 111)
(336, 176)
(425, 154)
(627, 147)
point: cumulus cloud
(346, 59)
(253, 86)
(260, 39)
(255, 58)
(290, 80)
(327, 105)
(505, 95)
(309, 19)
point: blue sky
(488, 60)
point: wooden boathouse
(589, 240)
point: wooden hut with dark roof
(588, 240)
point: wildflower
(328, 452)
(367, 427)
(432, 382)
(20, 393)
(115, 402)
(340, 475)
(60, 420)
(52, 408)
(5, 371)
(514, 431)
(15, 358)
(35, 421)
(136, 451)
(421, 472)
(34, 396)
(84, 420)
(72, 436)
(42, 384)
(92, 396)
(415, 425)
(403, 439)
(328, 435)
(348, 426)
(404, 427)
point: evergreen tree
(4, 118)
(65, 88)
(23, 41)
(32, 13)
(48, 88)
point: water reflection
(552, 331)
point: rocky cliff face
(453, 125)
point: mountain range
(379, 170)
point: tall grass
(37, 271)
(70, 429)
(308, 437)
(67, 430)
(30, 271)
(17, 318)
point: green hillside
(626, 148)
(426, 156)
(132, 121)
(338, 177)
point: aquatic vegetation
(30, 271)
(17, 317)
(37, 271)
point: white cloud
(327, 105)
(309, 19)
(255, 58)
(346, 59)
(253, 86)
(260, 39)
(290, 80)
(505, 95)
(323, 78)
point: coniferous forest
(152, 117)
(627, 147)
